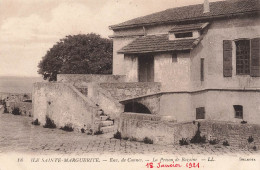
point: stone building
(205, 56)
(171, 68)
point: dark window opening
(183, 35)
(238, 111)
(243, 57)
(202, 69)
(136, 108)
(200, 113)
(174, 57)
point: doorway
(146, 68)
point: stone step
(103, 117)
(108, 129)
(106, 123)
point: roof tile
(194, 12)
(157, 43)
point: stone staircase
(106, 124)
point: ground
(17, 134)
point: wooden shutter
(255, 57)
(202, 69)
(227, 58)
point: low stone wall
(64, 104)
(81, 80)
(164, 131)
(18, 97)
(236, 134)
(122, 91)
(24, 107)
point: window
(200, 113)
(238, 111)
(174, 57)
(247, 57)
(183, 35)
(243, 57)
(202, 69)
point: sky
(28, 28)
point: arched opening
(136, 108)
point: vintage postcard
(129, 84)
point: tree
(77, 54)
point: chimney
(206, 6)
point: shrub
(254, 148)
(49, 123)
(197, 138)
(225, 143)
(133, 139)
(126, 138)
(99, 132)
(16, 111)
(250, 139)
(243, 122)
(183, 141)
(29, 101)
(117, 135)
(148, 140)
(90, 132)
(213, 142)
(67, 128)
(5, 109)
(82, 130)
(36, 122)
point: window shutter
(255, 57)
(227, 58)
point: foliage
(99, 132)
(225, 143)
(117, 135)
(133, 139)
(77, 54)
(183, 141)
(16, 111)
(148, 140)
(213, 142)
(243, 122)
(126, 138)
(82, 130)
(29, 101)
(90, 132)
(49, 123)
(254, 148)
(197, 138)
(250, 139)
(3, 102)
(67, 128)
(36, 122)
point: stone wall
(236, 134)
(18, 97)
(122, 91)
(164, 131)
(81, 80)
(64, 104)
(25, 107)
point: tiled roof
(194, 12)
(157, 43)
(187, 27)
